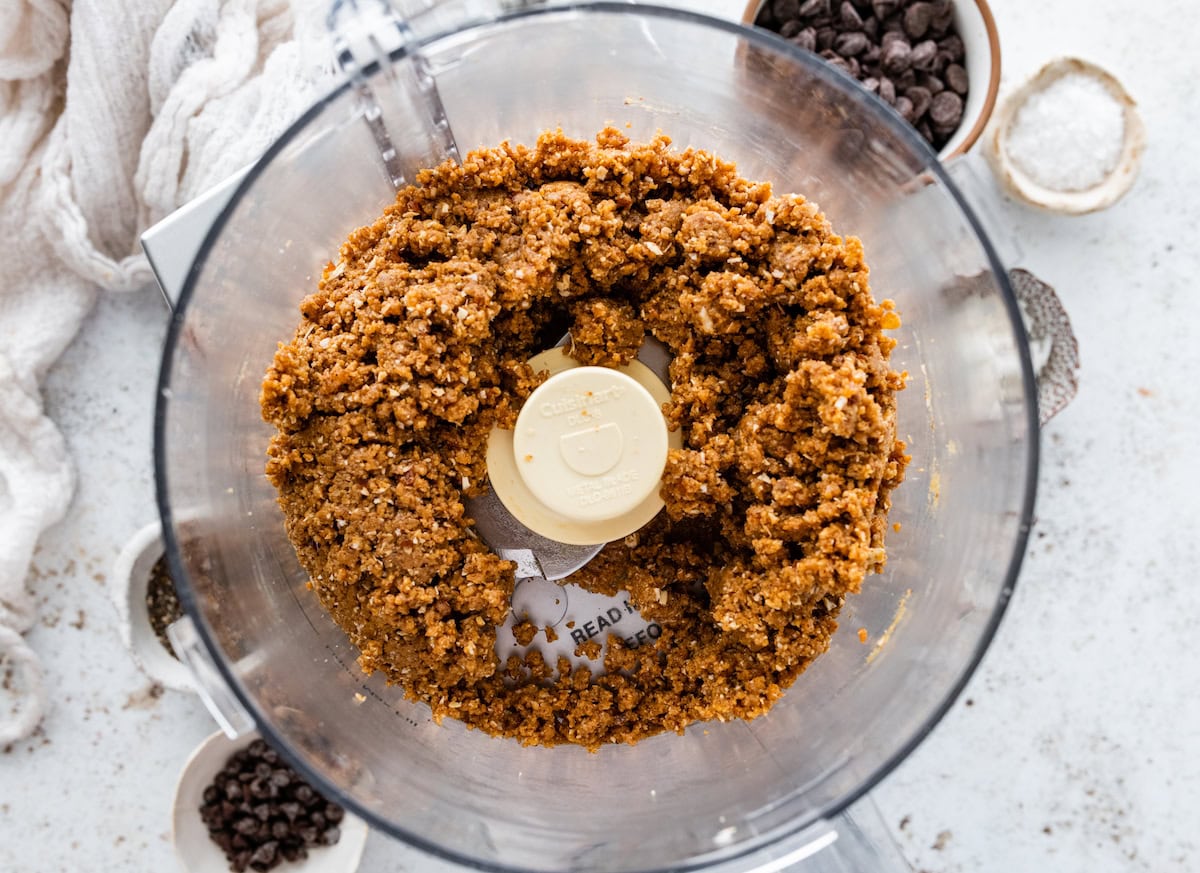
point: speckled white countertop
(1075, 749)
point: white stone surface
(1075, 749)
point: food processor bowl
(734, 795)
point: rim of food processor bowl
(869, 106)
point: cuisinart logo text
(580, 402)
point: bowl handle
(1048, 331)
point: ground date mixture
(413, 348)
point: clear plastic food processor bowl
(728, 796)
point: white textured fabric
(112, 114)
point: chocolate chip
(887, 91)
(785, 10)
(956, 79)
(943, 16)
(790, 28)
(917, 19)
(920, 98)
(871, 28)
(932, 83)
(896, 58)
(814, 7)
(905, 107)
(806, 39)
(849, 16)
(871, 84)
(850, 45)
(839, 63)
(265, 855)
(946, 109)
(923, 55)
(331, 836)
(884, 8)
(953, 46)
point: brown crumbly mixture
(524, 632)
(413, 348)
(605, 332)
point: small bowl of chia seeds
(147, 605)
(936, 63)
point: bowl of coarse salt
(1069, 140)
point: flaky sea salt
(1068, 136)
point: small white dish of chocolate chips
(936, 63)
(239, 806)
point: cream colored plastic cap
(584, 463)
(590, 443)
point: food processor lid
(405, 51)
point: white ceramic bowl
(130, 579)
(981, 41)
(1099, 196)
(197, 852)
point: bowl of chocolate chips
(936, 63)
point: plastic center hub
(591, 443)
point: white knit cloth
(112, 114)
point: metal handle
(1051, 341)
(1048, 329)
